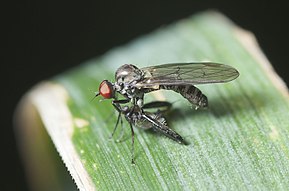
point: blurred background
(44, 38)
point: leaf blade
(240, 142)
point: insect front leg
(128, 113)
(119, 119)
(116, 104)
(122, 131)
(117, 122)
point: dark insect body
(133, 83)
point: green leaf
(241, 142)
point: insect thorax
(128, 90)
(126, 77)
(128, 74)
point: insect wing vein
(187, 74)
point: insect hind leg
(164, 129)
(160, 105)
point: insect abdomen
(191, 93)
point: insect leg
(164, 129)
(132, 144)
(116, 104)
(121, 101)
(158, 104)
(121, 133)
(117, 122)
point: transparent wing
(187, 74)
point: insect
(133, 83)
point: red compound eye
(106, 89)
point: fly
(133, 83)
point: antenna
(96, 94)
